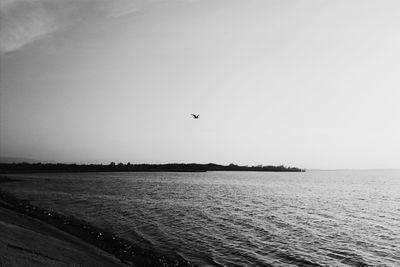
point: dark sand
(25, 241)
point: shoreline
(120, 167)
(118, 247)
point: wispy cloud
(22, 22)
(124, 11)
(25, 21)
(122, 8)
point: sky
(306, 83)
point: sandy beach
(25, 241)
(28, 241)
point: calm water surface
(317, 218)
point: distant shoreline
(120, 167)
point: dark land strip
(120, 167)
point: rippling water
(317, 218)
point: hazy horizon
(310, 84)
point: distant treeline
(120, 167)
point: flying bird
(195, 116)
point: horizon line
(34, 161)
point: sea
(312, 218)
